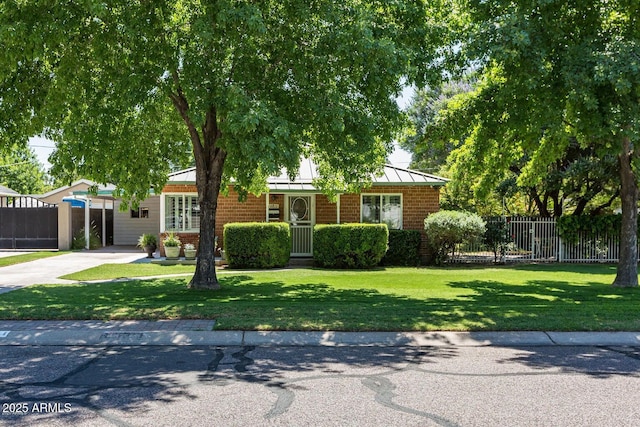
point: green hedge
(257, 245)
(404, 248)
(572, 226)
(349, 245)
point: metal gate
(301, 215)
(27, 223)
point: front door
(301, 216)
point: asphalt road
(319, 386)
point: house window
(140, 213)
(182, 213)
(382, 209)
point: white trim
(362, 195)
(266, 206)
(163, 218)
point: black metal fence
(27, 223)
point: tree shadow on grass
(586, 268)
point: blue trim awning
(75, 203)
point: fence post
(560, 249)
(532, 231)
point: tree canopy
(21, 171)
(128, 88)
(550, 74)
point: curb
(293, 338)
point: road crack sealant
(285, 389)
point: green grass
(118, 271)
(528, 297)
(32, 256)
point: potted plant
(189, 251)
(149, 243)
(172, 246)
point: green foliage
(445, 229)
(79, 240)
(349, 245)
(148, 239)
(171, 240)
(497, 236)
(257, 245)
(430, 154)
(263, 81)
(127, 89)
(21, 171)
(571, 227)
(404, 248)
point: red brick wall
(193, 238)
(326, 212)
(417, 202)
(229, 210)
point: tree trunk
(627, 275)
(208, 184)
(209, 166)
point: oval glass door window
(300, 209)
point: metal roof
(303, 181)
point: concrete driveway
(48, 270)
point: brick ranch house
(401, 198)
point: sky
(400, 158)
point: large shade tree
(552, 73)
(578, 182)
(126, 88)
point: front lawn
(31, 256)
(118, 271)
(527, 297)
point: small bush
(257, 245)
(78, 241)
(497, 237)
(404, 248)
(349, 245)
(445, 229)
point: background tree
(551, 73)
(579, 182)
(21, 171)
(124, 87)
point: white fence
(536, 239)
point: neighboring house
(76, 195)
(55, 196)
(401, 198)
(129, 224)
(5, 194)
(6, 191)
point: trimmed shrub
(257, 244)
(349, 245)
(404, 248)
(445, 229)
